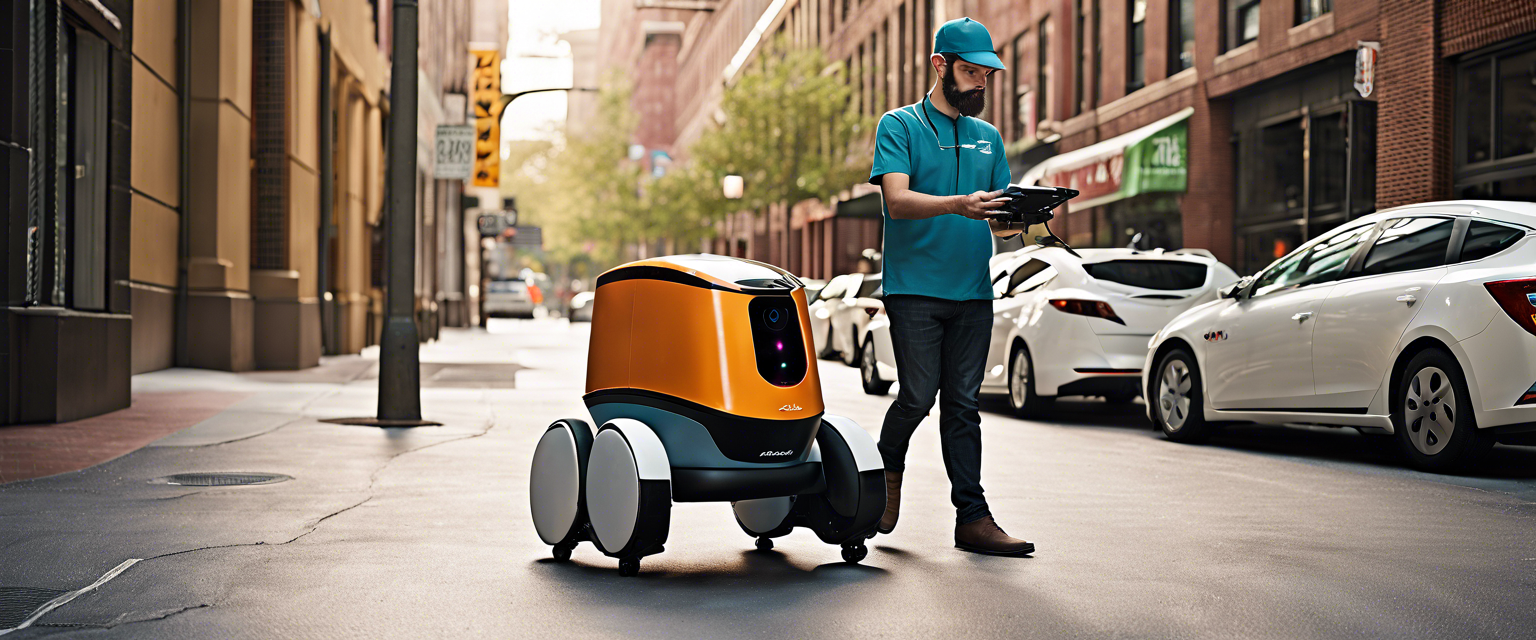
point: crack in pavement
(122, 620)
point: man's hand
(977, 205)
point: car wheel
(1432, 415)
(1021, 386)
(851, 356)
(1179, 410)
(827, 352)
(869, 371)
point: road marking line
(64, 598)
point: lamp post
(732, 187)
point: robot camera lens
(776, 319)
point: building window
(1181, 21)
(1079, 52)
(1309, 10)
(1044, 73)
(1242, 22)
(1495, 130)
(1136, 75)
(1024, 100)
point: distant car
(829, 300)
(848, 322)
(581, 306)
(509, 298)
(1418, 321)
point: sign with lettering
(455, 151)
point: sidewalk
(225, 406)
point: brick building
(200, 184)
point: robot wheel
(629, 492)
(853, 553)
(556, 491)
(764, 544)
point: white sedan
(1418, 321)
(1065, 326)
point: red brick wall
(655, 92)
(1466, 25)
(1211, 197)
(1414, 115)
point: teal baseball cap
(968, 39)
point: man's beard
(970, 102)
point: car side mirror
(1235, 289)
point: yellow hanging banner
(488, 107)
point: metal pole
(399, 355)
(330, 338)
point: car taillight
(1529, 397)
(535, 294)
(1094, 308)
(1518, 299)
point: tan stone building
(214, 199)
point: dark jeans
(940, 348)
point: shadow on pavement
(1347, 445)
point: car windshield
(1162, 275)
(506, 286)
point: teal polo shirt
(944, 256)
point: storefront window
(1155, 217)
(1306, 161)
(1328, 153)
(1517, 105)
(1496, 124)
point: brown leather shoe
(984, 536)
(892, 502)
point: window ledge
(1237, 58)
(1314, 29)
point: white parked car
(581, 306)
(1418, 321)
(1065, 326)
(850, 321)
(826, 302)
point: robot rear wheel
(556, 491)
(854, 552)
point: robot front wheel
(845, 513)
(628, 492)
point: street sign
(455, 151)
(527, 237)
(491, 224)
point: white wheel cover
(762, 515)
(613, 491)
(554, 485)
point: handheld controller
(1034, 205)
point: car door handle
(1408, 298)
(1302, 317)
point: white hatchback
(1418, 321)
(1065, 325)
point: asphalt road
(1266, 532)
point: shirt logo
(981, 146)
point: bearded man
(940, 171)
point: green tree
(790, 129)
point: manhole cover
(18, 603)
(223, 479)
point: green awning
(1151, 159)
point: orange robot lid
(709, 272)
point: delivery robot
(701, 379)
